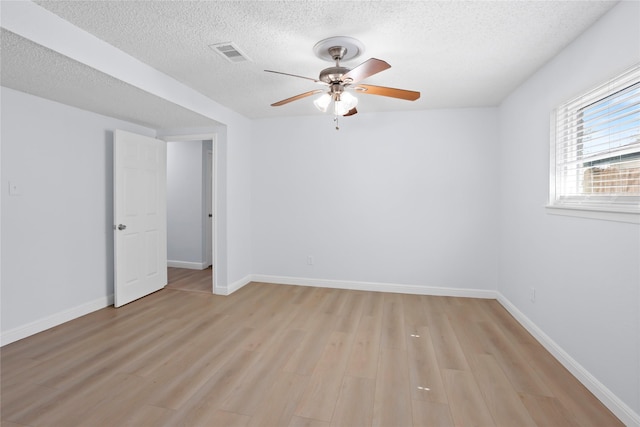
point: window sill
(632, 217)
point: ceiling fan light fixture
(344, 103)
(339, 79)
(322, 102)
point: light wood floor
(275, 355)
(184, 279)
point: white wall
(57, 236)
(238, 202)
(399, 199)
(586, 272)
(185, 189)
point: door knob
(210, 216)
(121, 227)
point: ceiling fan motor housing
(333, 74)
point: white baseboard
(54, 320)
(375, 286)
(187, 264)
(232, 287)
(627, 415)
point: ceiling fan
(340, 81)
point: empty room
(320, 213)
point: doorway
(190, 212)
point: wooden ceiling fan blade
(295, 98)
(408, 95)
(367, 69)
(294, 75)
(350, 112)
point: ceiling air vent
(230, 52)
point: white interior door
(140, 216)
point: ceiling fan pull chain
(335, 119)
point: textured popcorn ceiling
(31, 68)
(457, 54)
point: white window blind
(597, 147)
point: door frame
(209, 207)
(213, 137)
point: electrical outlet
(14, 189)
(532, 294)
(309, 260)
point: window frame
(606, 207)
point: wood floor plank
(393, 328)
(177, 382)
(392, 402)
(319, 399)
(83, 401)
(229, 419)
(202, 407)
(21, 369)
(100, 359)
(148, 416)
(513, 361)
(190, 280)
(355, 403)
(69, 361)
(501, 398)
(350, 312)
(279, 404)
(363, 361)
(307, 422)
(174, 347)
(431, 414)
(311, 310)
(274, 324)
(114, 405)
(415, 315)
(220, 418)
(466, 402)
(373, 304)
(424, 371)
(243, 302)
(260, 376)
(548, 411)
(50, 343)
(273, 311)
(514, 331)
(333, 302)
(259, 339)
(305, 357)
(445, 343)
(158, 354)
(585, 408)
(285, 355)
(11, 424)
(463, 325)
(25, 402)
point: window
(596, 148)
